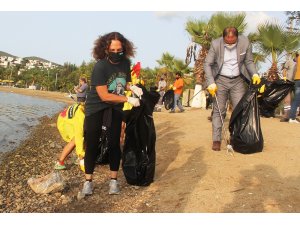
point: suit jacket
(215, 59)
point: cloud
(255, 18)
(168, 15)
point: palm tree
(272, 39)
(169, 65)
(166, 61)
(203, 32)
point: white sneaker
(88, 187)
(114, 188)
(293, 121)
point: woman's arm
(108, 97)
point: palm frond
(221, 20)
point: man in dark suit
(228, 65)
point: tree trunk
(273, 73)
(199, 66)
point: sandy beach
(189, 177)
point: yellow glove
(255, 79)
(171, 86)
(174, 88)
(284, 78)
(212, 89)
(262, 89)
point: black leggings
(92, 125)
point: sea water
(18, 113)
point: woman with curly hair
(110, 77)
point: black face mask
(116, 57)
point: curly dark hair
(101, 45)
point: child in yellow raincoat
(70, 125)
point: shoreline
(50, 95)
(17, 165)
(35, 157)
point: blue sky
(67, 36)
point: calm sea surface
(18, 113)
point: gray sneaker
(114, 188)
(87, 188)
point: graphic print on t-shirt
(116, 84)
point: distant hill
(40, 59)
(6, 54)
(30, 57)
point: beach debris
(50, 183)
(80, 195)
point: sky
(68, 36)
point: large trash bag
(138, 159)
(274, 93)
(168, 99)
(244, 126)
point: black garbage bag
(244, 126)
(138, 159)
(103, 153)
(168, 99)
(275, 92)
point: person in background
(81, 89)
(288, 73)
(112, 69)
(70, 126)
(296, 100)
(228, 64)
(161, 90)
(178, 89)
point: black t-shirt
(114, 76)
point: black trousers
(93, 124)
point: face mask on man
(116, 57)
(230, 46)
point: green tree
(149, 77)
(272, 39)
(169, 65)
